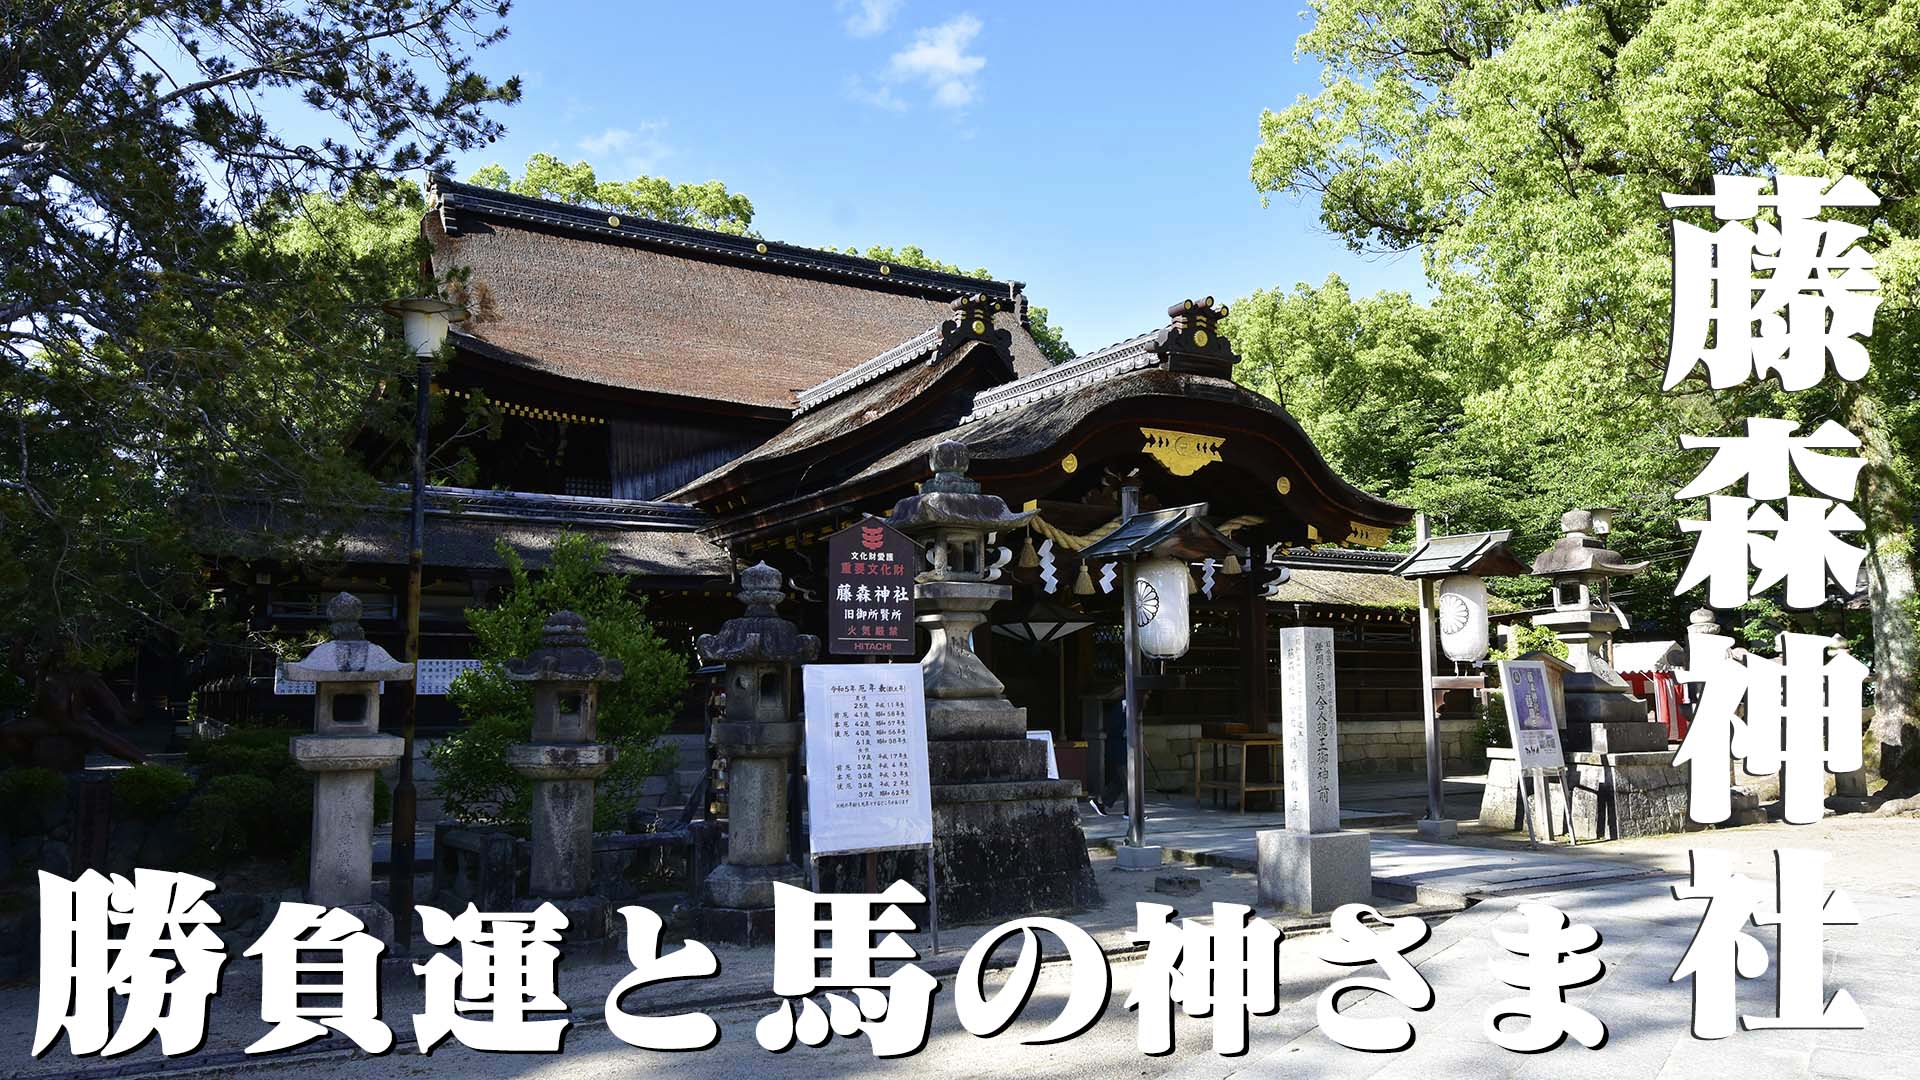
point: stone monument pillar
(1311, 864)
(759, 738)
(563, 761)
(1007, 840)
(344, 751)
(1603, 715)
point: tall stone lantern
(1599, 702)
(344, 751)
(759, 738)
(563, 761)
(1007, 840)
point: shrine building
(701, 401)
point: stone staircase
(669, 788)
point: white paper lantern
(1463, 617)
(1160, 607)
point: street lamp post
(424, 321)
(1137, 542)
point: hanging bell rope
(1083, 585)
(1029, 558)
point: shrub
(470, 765)
(145, 792)
(30, 798)
(31, 784)
(255, 801)
(1529, 638)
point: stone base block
(377, 920)
(1139, 858)
(1621, 737)
(1443, 829)
(1314, 872)
(1614, 795)
(345, 753)
(749, 927)
(731, 886)
(589, 918)
(973, 761)
(974, 718)
(1000, 850)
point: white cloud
(869, 17)
(607, 141)
(875, 92)
(635, 152)
(938, 59)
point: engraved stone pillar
(759, 737)
(1007, 840)
(563, 761)
(343, 753)
(1311, 864)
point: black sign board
(870, 572)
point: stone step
(971, 761)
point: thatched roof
(642, 305)
(1346, 589)
(659, 542)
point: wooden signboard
(870, 572)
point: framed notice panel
(867, 784)
(870, 572)
(1530, 717)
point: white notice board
(1053, 763)
(1530, 719)
(867, 783)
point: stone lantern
(344, 751)
(759, 738)
(1599, 702)
(1007, 840)
(563, 761)
(950, 520)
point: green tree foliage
(707, 206)
(1052, 342)
(1522, 149)
(169, 329)
(471, 766)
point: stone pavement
(1403, 867)
(1644, 932)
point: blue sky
(1097, 152)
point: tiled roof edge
(868, 370)
(1129, 355)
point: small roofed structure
(1483, 553)
(1179, 533)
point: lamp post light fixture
(424, 323)
(1146, 544)
(1450, 571)
(1044, 623)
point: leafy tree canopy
(177, 319)
(707, 206)
(1522, 149)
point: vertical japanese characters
(1755, 298)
